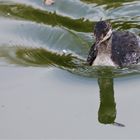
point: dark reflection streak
(107, 109)
(20, 11)
(101, 2)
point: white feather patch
(103, 60)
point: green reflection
(109, 3)
(125, 25)
(40, 56)
(107, 109)
(118, 2)
(20, 11)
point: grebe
(113, 48)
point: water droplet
(64, 51)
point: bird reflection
(107, 109)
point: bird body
(125, 48)
(116, 48)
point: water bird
(113, 48)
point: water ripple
(33, 34)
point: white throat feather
(108, 35)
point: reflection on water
(107, 110)
(35, 35)
(39, 57)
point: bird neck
(105, 47)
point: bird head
(102, 31)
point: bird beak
(108, 35)
(101, 38)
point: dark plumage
(125, 48)
(122, 47)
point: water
(47, 90)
